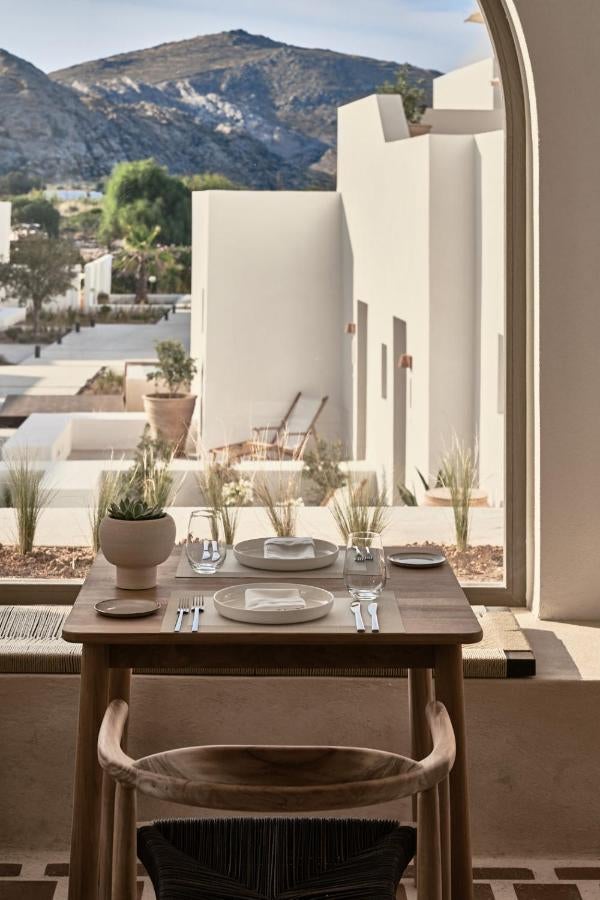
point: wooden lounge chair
(284, 441)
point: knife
(358, 619)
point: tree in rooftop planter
(136, 538)
(170, 412)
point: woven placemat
(232, 568)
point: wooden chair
(278, 779)
(284, 441)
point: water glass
(365, 571)
(205, 554)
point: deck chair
(284, 441)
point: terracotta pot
(169, 417)
(442, 497)
(137, 548)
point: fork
(358, 557)
(181, 612)
(197, 608)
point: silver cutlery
(358, 557)
(358, 619)
(215, 552)
(372, 607)
(181, 612)
(205, 551)
(368, 555)
(197, 608)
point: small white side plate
(230, 602)
(417, 559)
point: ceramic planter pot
(136, 548)
(169, 417)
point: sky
(53, 34)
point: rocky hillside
(261, 112)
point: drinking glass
(204, 553)
(365, 571)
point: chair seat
(268, 859)
(266, 779)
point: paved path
(64, 368)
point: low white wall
(71, 527)
(11, 315)
(5, 213)
(470, 87)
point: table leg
(83, 871)
(449, 691)
(119, 687)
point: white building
(409, 252)
(5, 212)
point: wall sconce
(405, 361)
(350, 328)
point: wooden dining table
(425, 618)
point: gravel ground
(476, 564)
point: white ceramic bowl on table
(252, 554)
(230, 602)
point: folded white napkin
(289, 548)
(274, 598)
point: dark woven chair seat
(275, 859)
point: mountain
(257, 110)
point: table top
(432, 607)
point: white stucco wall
(5, 212)
(424, 222)
(268, 282)
(470, 87)
(97, 279)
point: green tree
(40, 268)
(36, 210)
(413, 93)
(210, 181)
(13, 183)
(144, 195)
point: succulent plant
(134, 510)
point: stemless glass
(204, 553)
(365, 572)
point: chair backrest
(269, 779)
(301, 421)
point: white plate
(252, 553)
(230, 603)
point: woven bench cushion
(31, 643)
(273, 859)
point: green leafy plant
(131, 510)
(40, 268)
(412, 90)
(175, 368)
(459, 474)
(408, 497)
(359, 508)
(28, 496)
(322, 466)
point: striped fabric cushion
(273, 859)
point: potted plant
(170, 411)
(136, 537)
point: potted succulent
(136, 537)
(170, 411)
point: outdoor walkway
(64, 368)
(111, 342)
